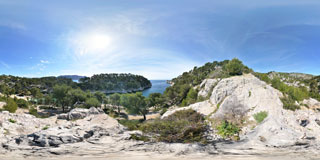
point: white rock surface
(312, 103)
(80, 113)
(2, 104)
(206, 86)
(204, 108)
(241, 97)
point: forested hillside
(297, 86)
(30, 86)
(182, 92)
(115, 83)
(109, 83)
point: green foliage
(72, 96)
(163, 111)
(31, 86)
(22, 103)
(12, 120)
(33, 111)
(289, 103)
(35, 92)
(11, 106)
(135, 104)
(92, 102)
(115, 99)
(228, 130)
(294, 93)
(101, 97)
(177, 94)
(185, 126)
(263, 77)
(140, 137)
(60, 93)
(155, 99)
(259, 117)
(131, 124)
(111, 83)
(235, 67)
(191, 97)
(45, 128)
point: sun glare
(92, 43)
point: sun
(97, 42)
(91, 43)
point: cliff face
(239, 98)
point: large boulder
(80, 113)
(206, 87)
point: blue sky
(159, 39)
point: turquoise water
(158, 86)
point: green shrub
(263, 76)
(294, 93)
(12, 120)
(163, 111)
(191, 97)
(11, 106)
(185, 126)
(22, 103)
(228, 130)
(236, 67)
(140, 137)
(33, 111)
(131, 124)
(289, 103)
(259, 117)
(93, 102)
(45, 128)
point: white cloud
(5, 65)
(44, 61)
(13, 25)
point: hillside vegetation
(182, 91)
(111, 83)
(295, 86)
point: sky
(159, 39)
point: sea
(158, 86)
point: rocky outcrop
(19, 124)
(206, 87)
(80, 113)
(91, 128)
(2, 104)
(204, 108)
(239, 98)
(312, 104)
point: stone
(304, 122)
(62, 116)
(317, 121)
(2, 104)
(206, 86)
(205, 108)
(79, 113)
